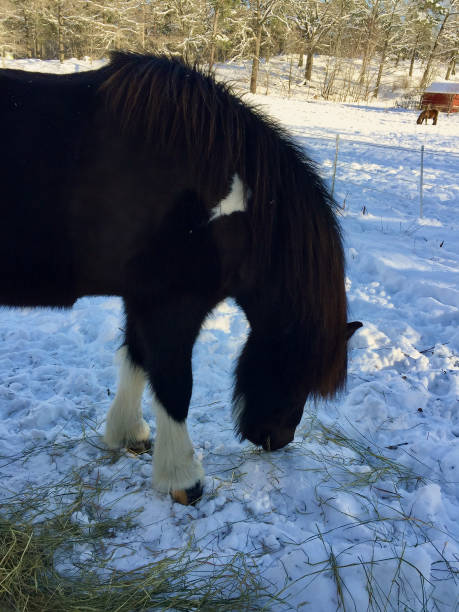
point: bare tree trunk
(336, 53)
(384, 52)
(256, 59)
(267, 76)
(214, 35)
(309, 62)
(451, 67)
(413, 55)
(380, 71)
(35, 35)
(28, 37)
(60, 34)
(143, 27)
(366, 55)
(300, 59)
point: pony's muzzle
(278, 439)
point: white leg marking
(233, 202)
(125, 423)
(175, 467)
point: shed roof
(449, 87)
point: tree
(450, 43)
(451, 70)
(259, 13)
(314, 19)
(418, 31)
(372, 13)
(445, 11)
(387, 29)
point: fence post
(421, 182)
(335, 164)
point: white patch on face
(125, 424)
(234, 201)
(175, 466)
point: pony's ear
(351, 328)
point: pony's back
(41, 118)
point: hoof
(188, 497)
(140, 447)
(120, 436)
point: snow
(370, 486)
(443, 87)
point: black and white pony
(148, 180)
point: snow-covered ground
(362, 510)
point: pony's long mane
(297, 244)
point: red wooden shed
(443, 95)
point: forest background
(379, 33)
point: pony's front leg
(125, 425)
(162, 337)
(176, 469)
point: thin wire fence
(412, 175)
(383, 146)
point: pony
(428, 113)
(149, 180)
